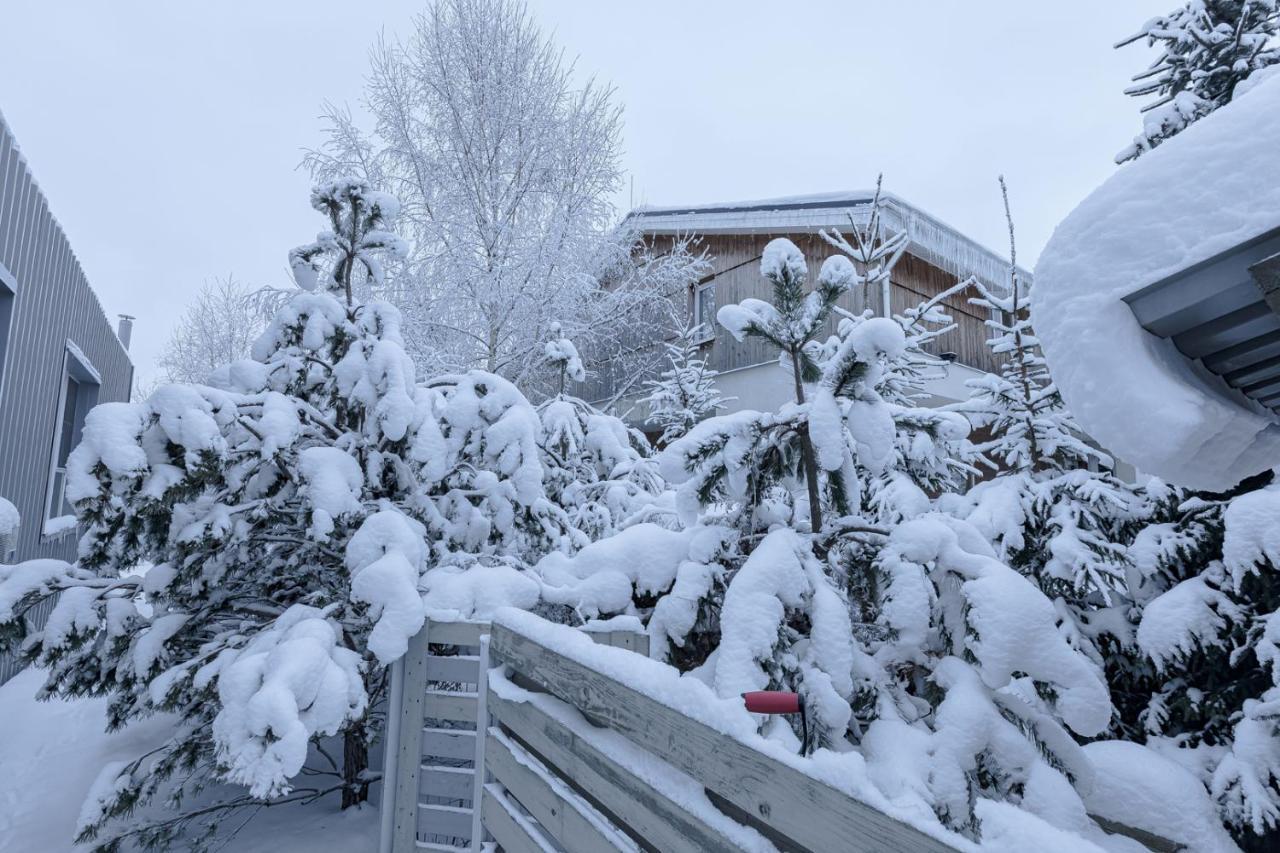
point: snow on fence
(575, 759)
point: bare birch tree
(506, 167)
(219, 327)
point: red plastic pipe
(772, 702)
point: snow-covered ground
(50, 753)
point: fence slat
(649, 812)
(479, 778)
(409, 749)
(461, 669)
(457, 633)
(446, 705)
(784, 801)
(458, 744)
(512, 832)
(560, 812)
(450, 783)
(452, 821)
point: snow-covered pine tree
(791, 323)
(930, 455)
(928, 640)
(765, 478)
(1200, 682)
(685, 393)
(1046, 514)
(1207, 47)
(597, 468)
(290, 515)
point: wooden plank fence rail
(544, 754)
(793, 810)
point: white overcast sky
(166, 135)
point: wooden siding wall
(914, 281)
(736, 267)
(53, 303)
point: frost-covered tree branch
(506, 163)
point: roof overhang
(932, 240)
(1224, 312)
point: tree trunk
(355, 761)
(806, 454)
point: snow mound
(1188, 200)
(9, 519)
(1138, 787)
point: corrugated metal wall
(52, 304)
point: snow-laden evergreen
(291, 516)
(914, 645)
(1207, 49)
(1197, 680)
(685, 393)
(931, 452)
(1045, 512)
(597, 468)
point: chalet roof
(931, 239)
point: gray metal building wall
(52, 304)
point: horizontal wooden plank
(456, 633)
(799, 808)
(463, 669)
(459, 744)
(561, 813)
(509, 828)
(444, 820)
(450, 783)
(446, 705)
(632, 641)
(441, 848)
(646, 810)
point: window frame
(8, 308)
(707, 325)
(77, 369)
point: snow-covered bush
(970, 652)
(290, 514)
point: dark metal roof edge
(1266, 236)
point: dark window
(7, 292)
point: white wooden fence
(549, 785)
(575, 760)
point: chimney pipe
(125, 330)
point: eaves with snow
(1157, 300)
(932, 240)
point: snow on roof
(931, 239)
(1208, 190)
(7, 130)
